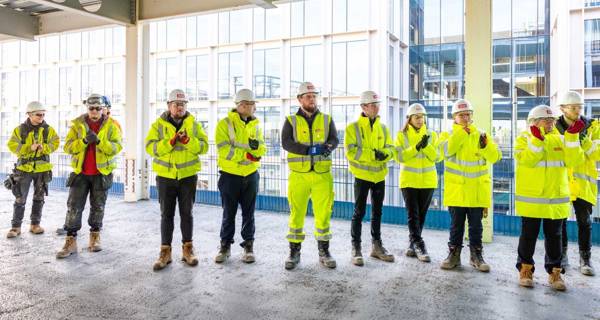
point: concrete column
(478, 75)
(137, 109)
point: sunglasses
(39, 114)
(94, 108)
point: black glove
(379, 155)
(423, 143)
(326, 150)
(91, 137)
(253, 144)
(483, 140)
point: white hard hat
(461, 105)
(306, 87)
(541, 111)
(177, 95)
(415, 108)
(95, 100)
(244, 95)
(571, 97)
(369, 97)
(35, 106)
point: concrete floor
(118, 283)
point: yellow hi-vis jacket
(181, 160)
(231, 136)
(360, 140)
(33, 161)
(467, 181)
(542, 180)
(109, 146)
(304, 135)
(418, 167)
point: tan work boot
(526, 275)
(163, 259)
(13, 232)
(248, 256)
(224, 252)
(36, 229)
(357, 258)
(94, 245)
(379, 252)
(556, 282)
(69, 248)
(188, 254)
(453, 259)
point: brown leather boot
(68, 249)
(94, 245)
(13, 233)
(163, 259)
(36, 229)
(526, 275)
(556, 282)
(188, 254)
(379, 252)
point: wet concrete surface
(118, 282)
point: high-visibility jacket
(109, 146)
(418, 167)
(583, 178)
(181, 160)
(467, 181)
(360, 141)
(231, 136)
(308, 136)
(542, 180)
(20, 143)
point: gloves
(576, 127)
(483, 140)
(535, 131)
(423, 143)
(253, 143)
(91, 137)
(326, 150)
(379, 155)
(252, 158)
(173, 140)
(316, 150)
(183, 137)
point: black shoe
(421, 252)
(224, 252)
(410, 251)
(325, 257)
(585, 265)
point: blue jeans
(457, 226)
(237, 190)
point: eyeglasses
(39, 114)
(95, 108)
(548, 119)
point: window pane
(296, 68)
(592, 53)
(313, 17)
(267, 69)
(524, 18)
(223, 27)
(297, 18)
(274, 27)
(358, 13)
(190, 32)
(339, 15)
(452, 21)
(338, 71)
(206, 23)
(313, 65)
(66, 86)
(357, 67)
(431, 22)
(259, 24)
(525, 70)
(28, 87)
(239, 26)
(501, 68)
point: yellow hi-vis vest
(181, 160)
(231, 137)
(542, 180)
(307, 136)
(109, 146)
(583, 179)
(32, 161)
(418, 167)
(360, 142)
(467, 181)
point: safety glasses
(40, 115)
(95, 108)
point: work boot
(564, 262)
(379, 252)
(477, 260)
(187, 254)
(163, 259)
(36, 229)
(585, 265)
(453, 259)
(94, 245)
(325, 257)
(556, 282)
(13, 232)
(61, 231)
(294, 258)
(357, 258)
(68, 249)
(421, 252)
(410, 251)
(224, 252)
(248, 256)
(526, 275)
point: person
(468, 154)
(175, 141)
(582, 179)
(368, 146)
(542, 190)
(417, 152)
(93, 141)
(240, 146)
(32, 142)
(309, 137)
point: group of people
(555, 166)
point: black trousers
(457, 226)
(21, 190)
(361, 192)
(81, 185)
(237, 190)
(530, 228)
(417, 203)
(583, 212)
(170, 193)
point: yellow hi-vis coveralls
(310, 176)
